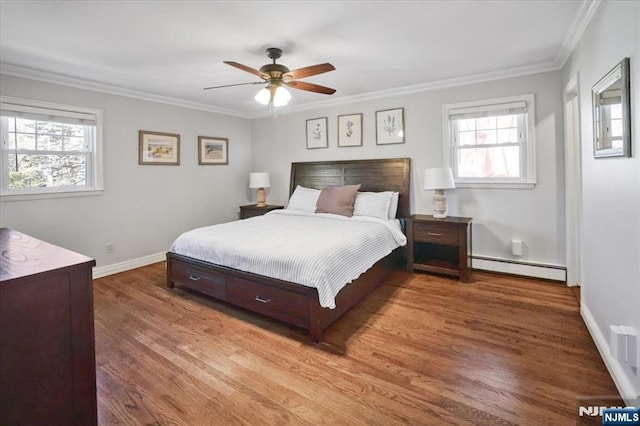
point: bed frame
(290, 302)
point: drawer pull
(435, 234)
(261, 300)
(194, 278)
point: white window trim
(529, 180)
(97, 177)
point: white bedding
(324, 251)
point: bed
(287, 301)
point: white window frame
(94, 184)
(527, 180)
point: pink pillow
(337, 200)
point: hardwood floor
(419, 350)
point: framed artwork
(317, 133)
(350, 130)
(390, 126)
(156, 148)
(213, 151)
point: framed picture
(156, 148)
(390, 126)
(213, 151)
(317, 133)
(350, 130)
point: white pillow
(304, 199)
(373, 204)
(393, 206)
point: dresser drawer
(207, 282)
(440, 233)
(274, 302)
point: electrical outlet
(110, 247)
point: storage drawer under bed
(207, 282)
(274, 302)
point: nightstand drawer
(441, 233)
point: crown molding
(50, 77)
(585, 13)
(417, 88)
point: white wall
(610, 188)
(143, 208)
(536, 216)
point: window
(491, 143)
(49, 150)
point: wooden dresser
(47, 346)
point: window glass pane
(11, 121)
(11, 141)
(48, 127)
(508, 135)
(496, 162)
(616, 111)
(487, 136)
(25, 126)
(508, 121)
(38, 171)
(49, 143)
(467, 124)
(467, 138)
(11, 162)
(75, 144)
(26, 141)
(486, 123)
(73, 130)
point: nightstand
(253, 210)
(442, 246)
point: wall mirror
(611, 113)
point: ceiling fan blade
(310, 87)
(248, 69)
(309, 71)
(231, 85)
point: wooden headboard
(386, 174)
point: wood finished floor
(419, 350)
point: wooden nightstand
(442, 246)
(252, 210)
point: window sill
(504, 185)
(46, 195)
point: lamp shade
(259, 180)
(438, 178)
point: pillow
(393, 206)
(373, 204)
(337, 200)
(304, 199)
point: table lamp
(261, 181)
(439, 179)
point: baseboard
(103, 271)
(514, 267)
(625, 387)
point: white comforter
(324, 251)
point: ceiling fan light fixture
(263, 96)
(281, 97)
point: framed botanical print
(317, 133)
(156, 148)
(213, 151)
(350, 130)
(390, 126)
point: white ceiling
(171, 50)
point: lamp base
(261, 198)
(439, 204)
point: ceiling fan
(278, 76)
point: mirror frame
(621, 70)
